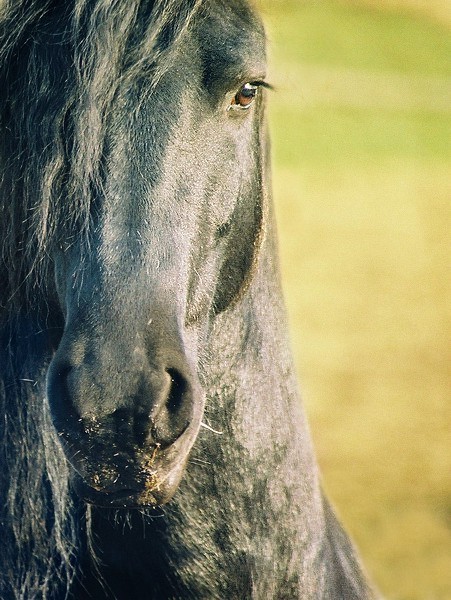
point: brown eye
(244, 97)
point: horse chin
(150, 479)
(145, 490)
(125, 498)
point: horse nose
(158, 413)
(134, 406)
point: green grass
(321, 135)
(323, 32)
(361, 127)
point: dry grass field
(361, 128)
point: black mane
(62, 67)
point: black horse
(152, 440)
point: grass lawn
(361, 128)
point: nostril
(58, 375)
(60, 392)
(176, 413)
(177, 391)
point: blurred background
(361, 131)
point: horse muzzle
(150, 479)
(126, 431)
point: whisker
(200, 461)
(211, 428)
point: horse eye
(244, 97)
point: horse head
(175, 224)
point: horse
(153, 442)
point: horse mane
(63, 65)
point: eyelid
(261, 83)
(248, 85)
(254, 82)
